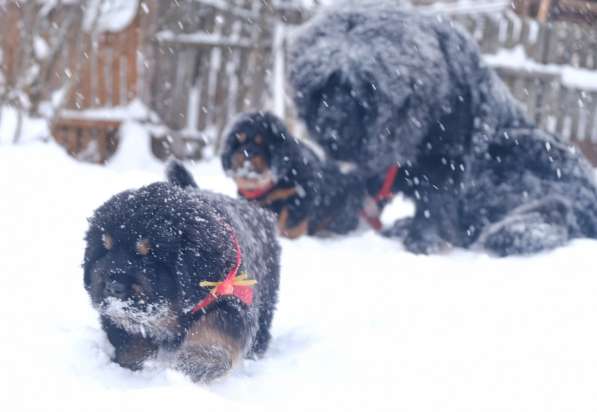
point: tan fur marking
(258, 139)
(143, 247)
(293, 232)
(278, 194)
(237, 160)
(241, 137)
(207, 353)
(259, 164)
(107, 241)
(323, 225)
(204, 332)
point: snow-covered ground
(362, 325)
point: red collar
(386, 188)
(256, 193)
(384, 193)
(234, 285)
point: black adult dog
(274, 169)
(380, 86)
(188, 273)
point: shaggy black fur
(148, 249)
(307, 193)
(378, 85)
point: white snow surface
(32, 129)
(361, 324)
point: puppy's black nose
(116, 289)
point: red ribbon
(384, 193)
(234, 285)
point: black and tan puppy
(277, 171)
(187, 273)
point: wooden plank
(563, 113)
(102, 79)
(239, 61)
(85, 123)
(589, 52)
(71, 140)
(132, 48)
(93, 71)
(491, 42)
(223, 83)
(512, 36)
(148, 15)
(85, 89)
(114, 69)
(592, 112)
(578, 6)
(224, 7)
(544, 10)
(10, 41)
(259, 58)
(573, 110)
(531, 86)
(203, 78)
(522, 7)
(201, 40)
(541, 49)
(550, 106)
(584, 121)
(215, 63)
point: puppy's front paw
(133, 354)
(204, 363)
(424, 242)
(213, 344)
(399, 228)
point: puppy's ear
(276, 127)
(206, 253)
(178, 175)
(282, 144)
(230, 144)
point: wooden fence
(211, 67)
(194, 64)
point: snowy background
(361, 324)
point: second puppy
(276, 170)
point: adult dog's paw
(399, 229)
(427, 242)
(523, 235)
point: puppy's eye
(107, 241)
(259, 139)
(259, 164)
(241, 137)
(143, 247)
(237, 160)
